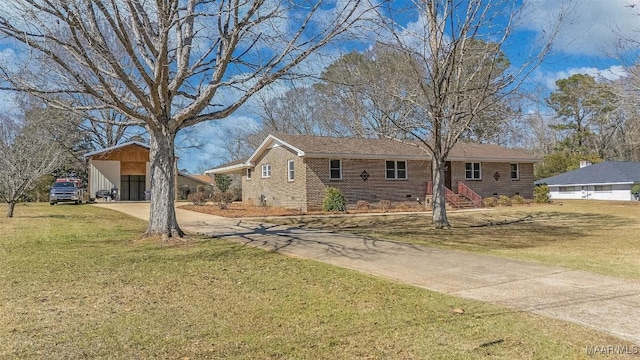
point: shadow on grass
(278, 238)
(480, 231)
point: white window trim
(340, 169)
(266, 171)
(248, 174)
(517, 172)
(291, 170)
(472, 171)
(395, 170)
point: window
(335, 169)
(248, 174)
(396, 169)
(266, 171)
(515, 172)
(472, 171)
(603, 188)
(567, 189)
(290, 170)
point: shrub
(489, 202)
(184, 192)
(198, 198)
(385, 205)
(223, 182)
(222, 199)
(363, 205)
(333, 200)
(635, 191)
(237, 193)
(504, 200)
(518, 200)
(541, 194)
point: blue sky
(587, 43)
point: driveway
(602, 302)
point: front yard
(596, 236)
(77, 282)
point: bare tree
(165, 64)
(28, 153)
(106, 128)
(457, 52)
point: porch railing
(467, 192)
(454, 199)
(449, 195)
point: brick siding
(277, 190)
(376, 188)
(489, 186)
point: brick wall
(277, 189)
(376, 188)
(489, 186)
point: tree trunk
(162, 218)
(10, 206)
(440, 220)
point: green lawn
(77, 282)
(596, 236)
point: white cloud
(611, 73)
(591, 27)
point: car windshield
(64, 185)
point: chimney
(584, 163)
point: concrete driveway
(602, 302)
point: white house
(609, 180)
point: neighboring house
(294, 170)
(609, 180)
(192, 181)
(126, 167)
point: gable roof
(608, 172)
(115, 147)
(204, 179)
(367, 148)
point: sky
(588, 43)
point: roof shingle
(608, 172)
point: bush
(222, 199)
(184, 191)
(504, 200)
(635, 191)
(363, 205)
(518, 200)
(385, 205)
(541, 194)
(237, 193)
(489, 202)
(198, 198)
(223, 182)
(334, 200)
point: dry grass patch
(241, 210)
(596, 236)
(75, 282)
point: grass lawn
(596, 236)
(77, 282)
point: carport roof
(115, 147)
